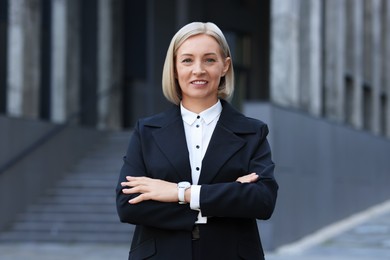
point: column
(104, 61)
(310, 84)
(3, 54)
(151, 42)
(316, 58)
(46, 67)
(31, 58)
(88, 69)
(23, 58)
(357, 62)
(114, 119)
(182, 7)
(110, 64)
(15, 58)
(334, 59)
(73, 59)
(376, 56)
(386, 66)
(284, 85)
(59, 57)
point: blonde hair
(170, 85)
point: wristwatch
(181, 189)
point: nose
(198, 68)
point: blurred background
(75, 75)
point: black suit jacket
(238, 146)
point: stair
(81, 206)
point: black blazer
(238, 146)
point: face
(199, 68)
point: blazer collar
(230, 119)
(235, 121)
(207, 115)
(171, 140)
(224, 143)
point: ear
(226, 65)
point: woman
(196, 177)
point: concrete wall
(329, 59)
(326, 172)
(21, 184)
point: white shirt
(198, 130)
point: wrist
(182, 187)
(187, 195)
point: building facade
(101, 61)
(331, 59)
(318, 71)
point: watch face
(184, 184)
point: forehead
(198, 44)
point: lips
(199, 82)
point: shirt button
(197, 147)
(197, 168)
(197, 126)
(198, 117)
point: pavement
(364, 236)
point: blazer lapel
(223, 145)
(170, 138)
(224, 142)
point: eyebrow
(206, 54)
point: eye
(210, 60)
(187, 60)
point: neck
(198, 106)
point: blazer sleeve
(245, 200)
(173, 216)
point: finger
(135, 200)
(124, 184)
(132, 178)
(127, 191)
(138, 199)
(252, 177)
(139, 181)
(134, 183)
(134, 190)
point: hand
(150, 189)
(252, 177)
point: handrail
(53, 132)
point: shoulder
(161, 119)
(238, 122)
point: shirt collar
(207, 115)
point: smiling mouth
(199, 82)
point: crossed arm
(163, 191)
